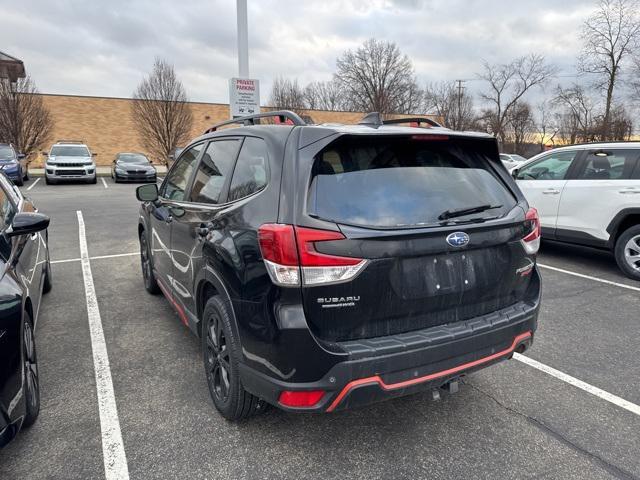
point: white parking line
(99, 257)
(104, 182)
(589, 277)
(609, 397)
(115, 460)
(33, 184)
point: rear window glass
(402, 182)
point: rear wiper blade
(459, 212)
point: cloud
(105, 48)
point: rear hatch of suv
(405, 232)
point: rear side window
(250, 174)
(608, 165)
(399, 182)
(214, 170)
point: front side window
(214, 170)
(6, 210)
(400, 182)
(250, 174)
(176, 182)
(552, 167)
(608, 165)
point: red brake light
(306, 398)
(531, 241)
(309, 257)
(278, 244)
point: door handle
(204, 229)
(551, 191)
(629, 191)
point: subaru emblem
(458, 239)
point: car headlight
(120, 170)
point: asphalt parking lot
(508, 421)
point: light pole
(243, 39)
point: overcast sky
(104, 48)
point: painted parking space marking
(98, 257)
(104, 182)
(609, 397)
(33, 184)
(589, 277)
(115, 460)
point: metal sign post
(244, 92)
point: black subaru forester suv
(329, 266)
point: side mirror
(514, 173)
(147, 193)
(26, 223)
(21, 156)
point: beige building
(106, 126)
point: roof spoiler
(374, 119)
(282, 116)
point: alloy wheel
(217, 359)
(632, 252)
(144, 259)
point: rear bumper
(400, 365)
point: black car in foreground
(132, 167)
(25, 274)
(329, 266)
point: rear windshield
(65, 151)
(401, 182)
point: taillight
(531, 241)
(306, 398)
(291, 258)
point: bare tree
(548, 124)
(24, 120)
(610, 35)
(325, 96)
(378, 77)
(620, 124)
(520, 127)
(508, 83)
(287, 94)
(454, 106)
(578, 121)
(161, 113)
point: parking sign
(244, 96)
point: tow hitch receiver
(452, 386)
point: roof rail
(418, 120)
(284, 116)
(70, 141)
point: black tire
(94, 180)
(221, 356)
(627, 252)
(31, 380)
(47, 181)
(20, 181)
(47, 283)
(26, 175)
(146, 262)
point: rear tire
(146, 262)
(31, 380)
(627, 252)
(221, 357)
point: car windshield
(136, 158)
(68, 151)
(6, 152)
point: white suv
(69, 160)
(590, 195)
